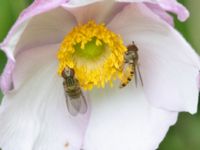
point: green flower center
(95, 53)
(90, 51)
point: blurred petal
(36, 30)
(167, 5)
(123, 119)
(6, 77)
(138, 1)
(99, 10)
(34, 115)
(162, 13)
(46, 28)
(169, 66)
(175, 7)
(79, 3)
(38, 7)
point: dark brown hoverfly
(75, 99)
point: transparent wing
(71, 109)
(76, 105)
(84, 106)
(137, 75)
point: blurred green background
(185, 135)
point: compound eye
(66, 73)
(72, 72)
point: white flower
(34, 116)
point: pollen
(94, 52)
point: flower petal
(167, 5)
(160, 7)
(123, 119)
(169, 66)
(99, 10)
(162, 13)
(46, 28)
(6, 77)
(175, 7)
(36, 8)
(80, 3)
(34, 115)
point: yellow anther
(94, 52)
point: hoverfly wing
(84, 106)
(72, 109)
(135, 76)
(138, 75)
(76, 105)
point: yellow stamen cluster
(94, 52)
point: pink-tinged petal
(13, 37)
(169, 66)
(84, 12)
(162, 13)
(99, 10)
(198, 80)
(6, 77)
(122, 119)
(138, 1)
(167, 5)
(46, 28)
(34, 115)
(175, 7)
(33, 30)
(80, 3)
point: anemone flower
(91, 37)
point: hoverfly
(131, 60)
(75, 99)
